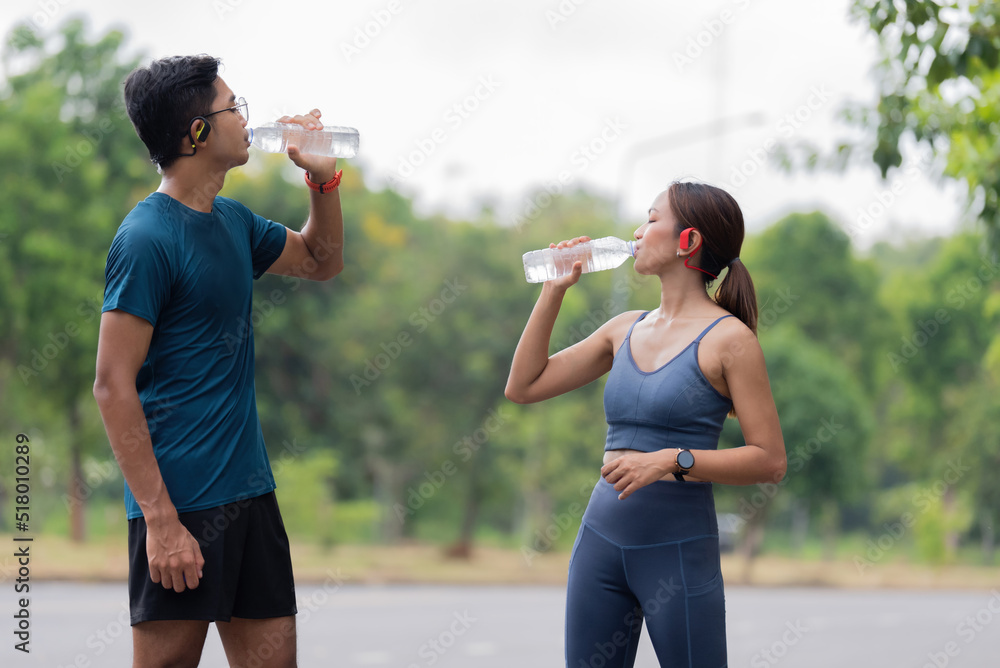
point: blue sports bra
(672, 407)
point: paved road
(481, 627)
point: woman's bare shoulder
(731, 338)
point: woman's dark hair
(713, 212)
(161, 100)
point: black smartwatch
(684, 461)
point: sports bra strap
(628, 337)
(707, 329)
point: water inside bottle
(545, 265)
(595, 255)
(330, 141)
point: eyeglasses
(240, 108)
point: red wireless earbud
(685, 243)
(686, 238)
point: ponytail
(737, 295)
(715, 213)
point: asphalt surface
(84, 625)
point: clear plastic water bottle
(596, 255)
(332, 141)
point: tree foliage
(381, 393)
(69, 164)
(938, 88)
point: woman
(648, 545)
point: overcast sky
(463, 102)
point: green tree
(975, 439)
(818, 318)
(941, 338)
(70, 168)
(806, 275)
(938, 87)
(827, 424)
(943, 332)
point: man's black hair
(161, 100)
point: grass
(57, 558)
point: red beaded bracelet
(329, 186)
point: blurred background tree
(940, 87)
(381, 393)
(70, 168)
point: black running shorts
(247, 573)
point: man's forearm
(128, 433)
(324, 232)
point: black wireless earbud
(205, 129)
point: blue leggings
(653, 556)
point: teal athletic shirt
(190, 274)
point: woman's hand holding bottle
(563, 283)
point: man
(175, 380)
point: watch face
(685, 459)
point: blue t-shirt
(190, 274)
